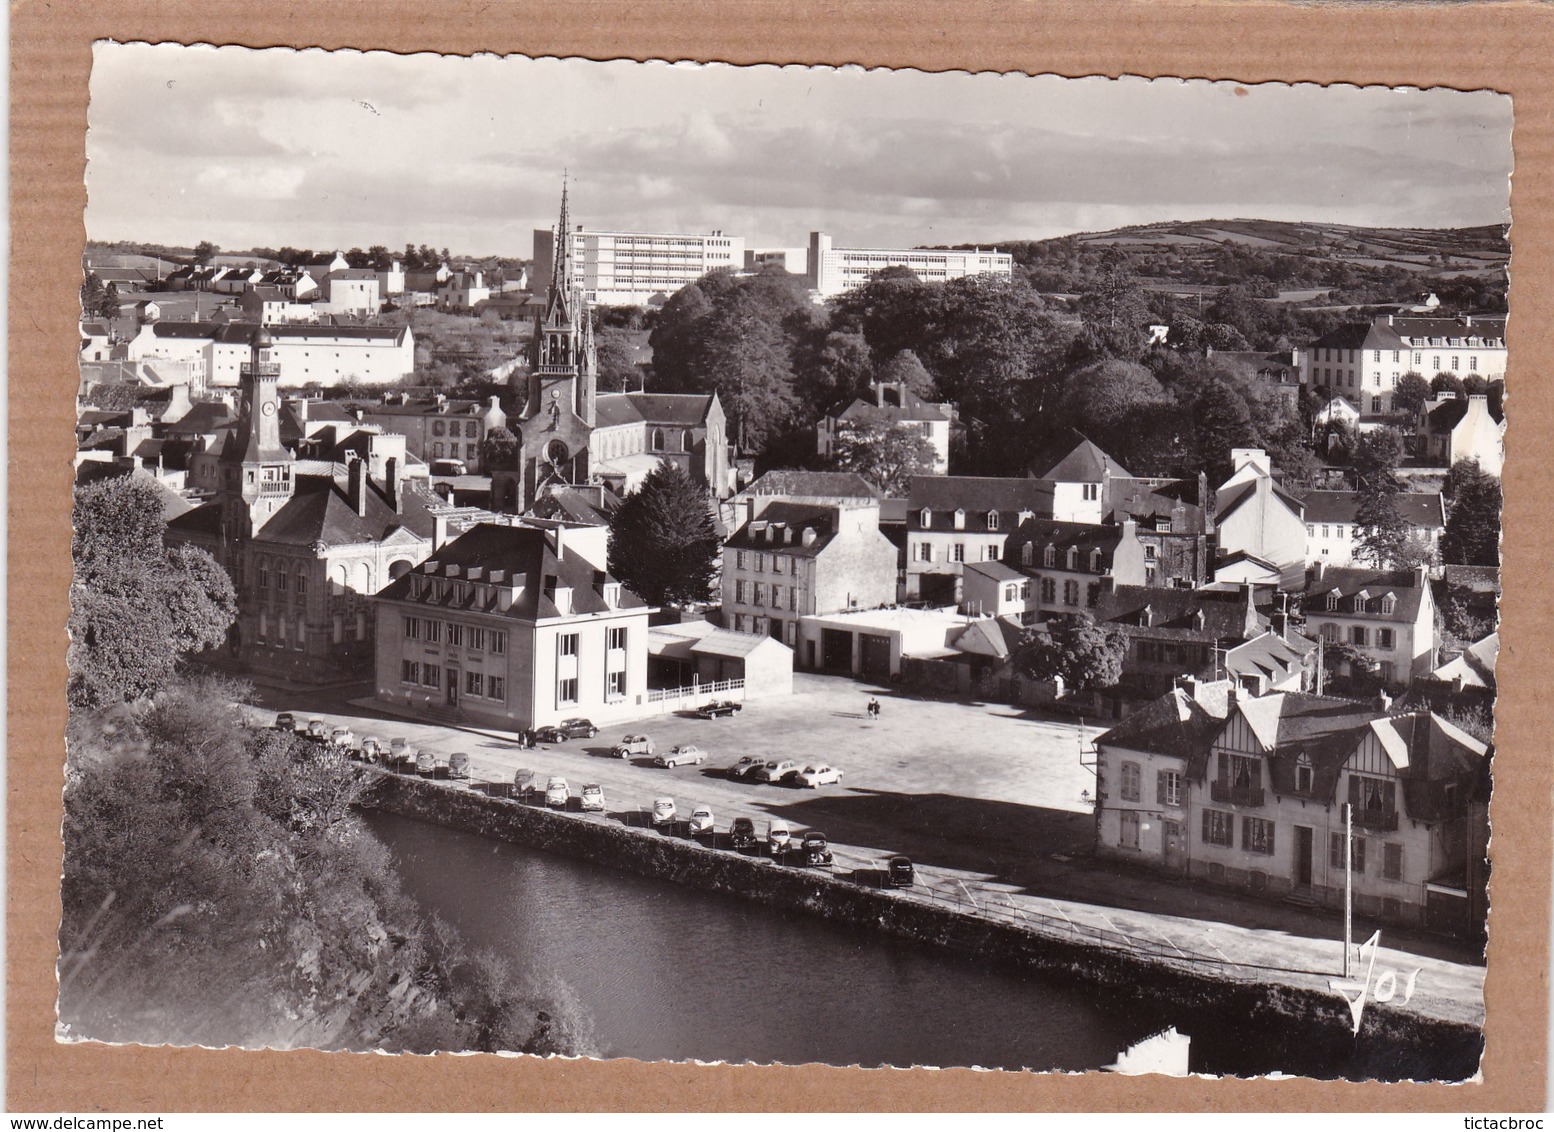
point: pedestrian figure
(874, 709)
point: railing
(691, 691)
(1379, 821)
(1236, 795)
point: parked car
(285, 721)
(400, 753)
(593, 798)
(426, 764)
(701, 823)
(663, 813)
(899, 872)
(741, 835)
(779, 838)
(577, 728)
(815, 851)
(449, 468)
(458, 765)
(556, 793)
(523, 783)
(679, 756)
(343, 737)
(774, 771)
(717, 708)
(745, 766)
(632, 745)
(373, 748)
(817, 775)
(318, 730)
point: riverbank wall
(1241, 1022)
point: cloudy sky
(317, 149)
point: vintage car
(815, 851)
(632, 745)
(718, 708)
(679, 756)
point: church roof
(685, 409)
(611, 409)
(320, 512)
(1084, 462)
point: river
(676, 974)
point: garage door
(938, 589)
(876, 657)
(836, 649)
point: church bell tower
(256, 471)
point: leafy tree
(1381, 535)
(1221, 420)
(98, 301)
(618, 372)
(1082, 653)
(1472, 535)
(663, 545)
(1411, 393)
(906, 368)
(1443, 383)
(887, 455)
(136, 607)
(499, 450)
(833, 367)
(220, 889)
(205, 251)
(1115, 311)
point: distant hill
(1311, 264)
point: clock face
(268, 408)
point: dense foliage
(219, 890)
(887, 455)
(1083, 654)
(1472, 535)
(663, 545)
(137, 607)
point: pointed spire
(561, 272)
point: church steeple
(256, 469)
(563, 364)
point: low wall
(1237, 1027)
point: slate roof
(1475, 667)
(977, 496)
(1484, 579)
(685, 409)
(1349, 581)
(824, 485)
(1175, 614)
(890, 403)
(1084, 462)
(783, 518)
(612, 409)
(1236, 495)
(1083, 537)
(1174, 724)
(528, 558)
(1418, 509)
(1269, 655)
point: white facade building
(636, 268)
(1363, 361)
(834, 270)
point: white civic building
(636, 268)
(834, 270)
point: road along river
(672, 973)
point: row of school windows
(458, 635)
(1361, 635)
(1397, 358)
(479, 684)
(956, 552)
(756, 593)
(471, 428)
(471, 451)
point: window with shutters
(1049, 590)
(1358, 635)
(1129, 824)
(1168, 788)
(1257, 835)
(958, 552)
(1070, 593)
(1392, 861)
(1335, 852)
(1130, 782)
(1049, 556)
(1219, 828)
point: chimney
(299, 409)
(391, 484)
(1281, 624)
(1108, 583)
(1421, 573)
(1318, 568)
(357, 489)
(1249, 624)
(561, 541)
(494, 401)
(1389, 320)
(439, 531)
(1233, 694)
(1383, 702)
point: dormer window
(1146, 617)
(1389, 603)
(1026, 516)
(992, 520)
(1198, 619)
(1027, 554)
(925, 518)
(1303, 774)
(1357, 603)
(1332, 602)
(960, 519)
(1095, 561)
(1049, 555)
(1072, 559)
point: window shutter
(1224, 768)
(1354, 791)
(1389, 793)
(1160, 787)
(1205, 826)
(1246, 832)
(1271, 828)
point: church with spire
(569, 434)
